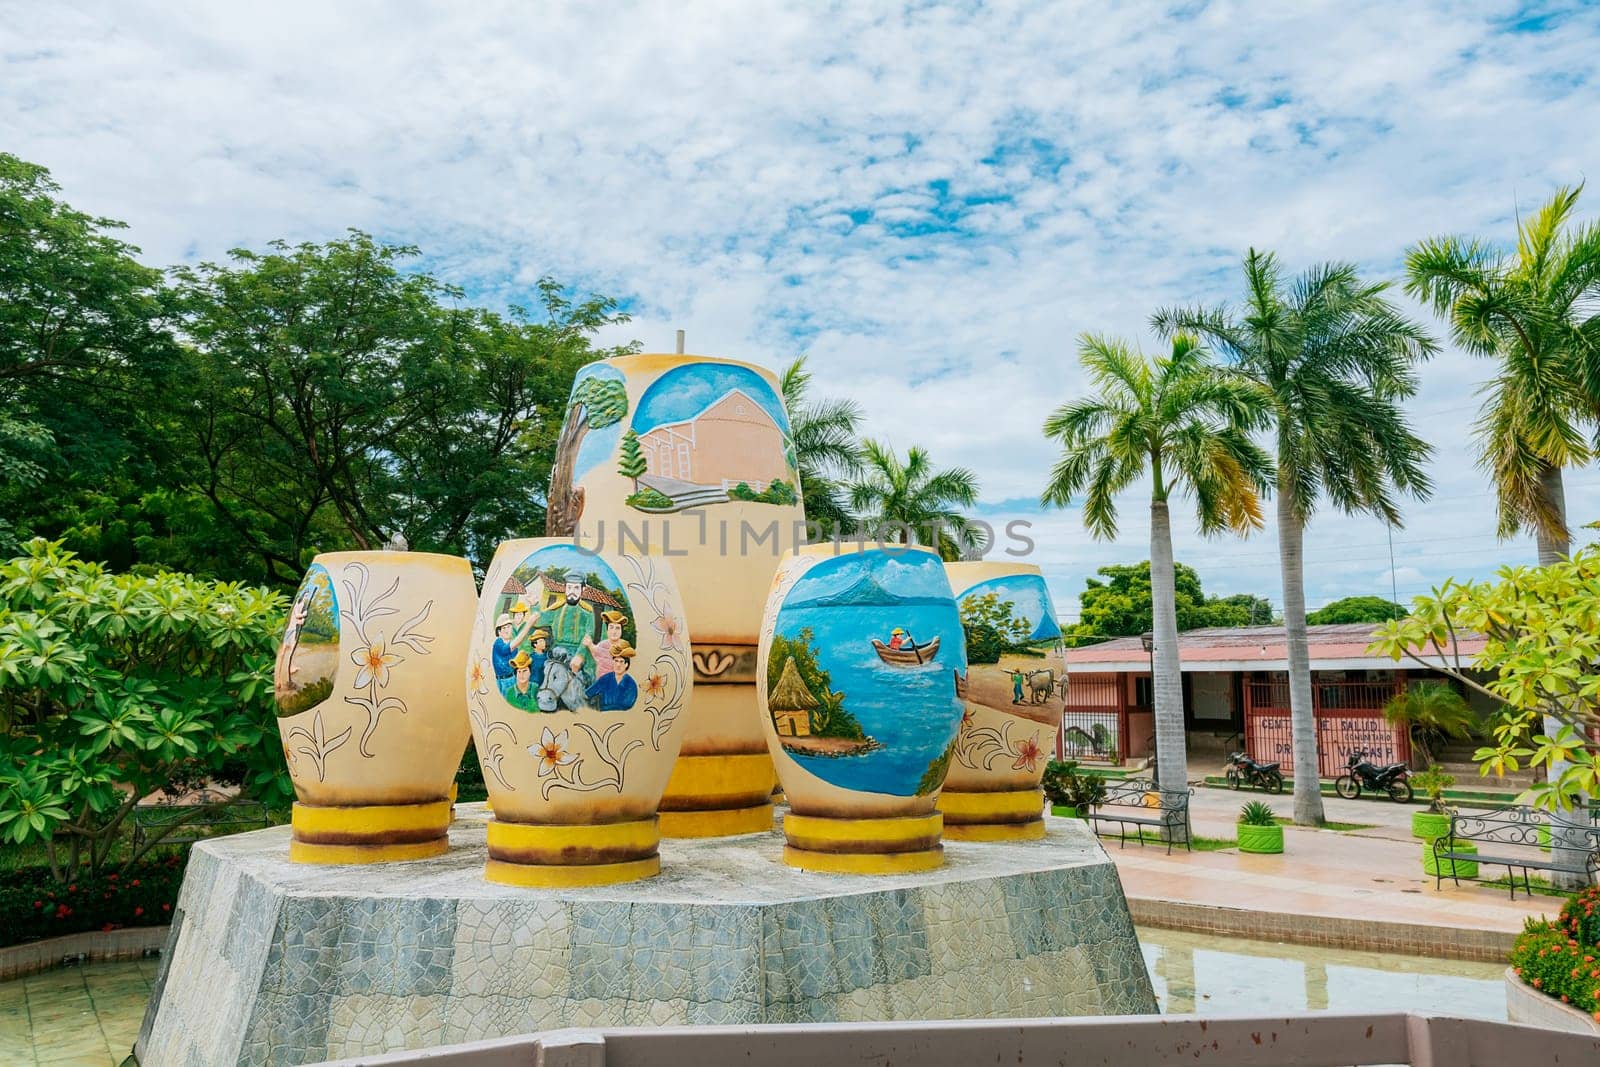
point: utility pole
(680, 342)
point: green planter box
(1066, 811)
(1260, 839)
(1427, 825)
(1450, 868)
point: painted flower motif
(478, 678)
(668, 626)
(966, 717)
(374, 661)
(1027, 753)
(552, 751)
(655, 685)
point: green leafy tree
(910, 501)
(1337, 359)
(826, 446)
(1121, 604)
(115, 686)
(1533, 312)
(1356, 609)
(632, 464)
(829, 718)
(339, 398)
(1186, 426)
(1541, 645)
(993, 628)
(85, 353)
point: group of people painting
(553, 660)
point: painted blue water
(1029, 598)
(912, 712)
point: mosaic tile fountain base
(271, 963)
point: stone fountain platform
(274, 963)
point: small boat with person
(907, 655)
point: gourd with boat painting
(861, 653)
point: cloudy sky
(930, 201)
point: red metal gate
(1091, 722)
(1349, 717)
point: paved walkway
(1363, 888)
(84, 1016)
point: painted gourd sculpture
(691, 458)
(369, 694)
(1015, 690)
(578, 681)
(860, 657)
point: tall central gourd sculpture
(692, 458)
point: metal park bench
(179, 824)
(1128, 803)
(1512, 836)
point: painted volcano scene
(861, 676)
(709, 433)
(1014, 648)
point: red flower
(72, 889)
(166, 907)
(1027, 754)
(134, 882)
(108, 927)
(62, 911)
(140, 911)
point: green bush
(653, 499)
(1578, 916)
(470, 786)
(1063, 785)
(117, 686)
(34, 905)
(1432, 783)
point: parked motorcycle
(1242, 770)
(1392, 778)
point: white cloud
(932, 202)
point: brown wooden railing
(1325, 1039)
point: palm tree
(826, 447)
(1534, 313)
(1431, 713)
(1186, 426)
(908, 501)
(1337, 358)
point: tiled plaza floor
(1370, 874)
(86, 1016)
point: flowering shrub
(1562, 958)
(116, 686)
(33, 905)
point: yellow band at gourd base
(747, 774)
(1020, 805)
(639, 836)
(994, 831)
(370, 819)
(864, 862)
(810, 835)
(720, 822)
(311, 852)
(550, 876)
(706, 780)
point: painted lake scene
(1014, 647)
(861, 676)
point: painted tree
(597, 401)
(1337, 359)
(911, 501)
(632, 464)
(1185, 425)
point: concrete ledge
(1371, 935)
(1527, 1005)
(34, 957)
(270, 962)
